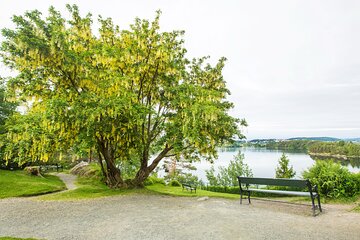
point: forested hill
(322, 139)
(334, 149)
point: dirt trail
(68, 179)
(166, 217)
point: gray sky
(293, 66)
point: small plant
(283, 170)
(174, 183)
(154, 179)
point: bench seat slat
(274, 181)
(293, 193)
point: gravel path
(167, 217)
(68, 179)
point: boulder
(33, 170)
(79, 168)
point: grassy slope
(18, 183)
(90, 188)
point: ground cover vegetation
(130, 97)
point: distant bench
(46, 168)
(188, 187)
(312, 191)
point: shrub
(154, 180)
(174, 183)
(332, 179)
(185, 178)
(222, 189)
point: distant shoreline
(336, 156)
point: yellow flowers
(126, 93)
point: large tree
(130, 94)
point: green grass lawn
(93, 188)
(178, 191)
(18, 183)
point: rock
(203, 198)
(33, 170)
(78, 168)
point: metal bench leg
(313, 205)
(249, 197)
(240, 197)
(318, 199)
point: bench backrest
(275, 181)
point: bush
(333, 180)
(154, 180)
(185, 178)
(222, 189)
(174, 183)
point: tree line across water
(340, 149)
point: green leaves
(125, 92)
(333, 180)
(227, 176)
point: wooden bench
(188, 187)
(312, 191)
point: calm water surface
(262, 162)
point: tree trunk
(145, 170)
(114, 179)
(113, 174)
(143, 173)
(140, 177)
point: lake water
(261, 161)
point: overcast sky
(293, 66)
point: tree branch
(159, 158)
